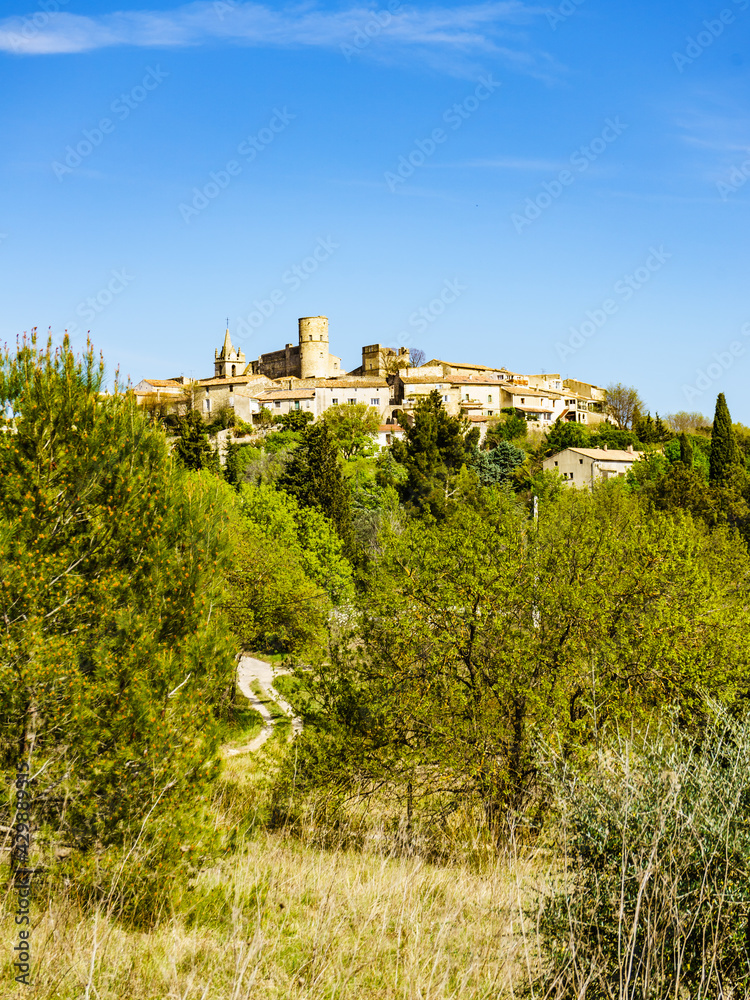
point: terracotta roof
(535, 409)
(608, 455)
(161, 383)
(287, 394)
(390, 428)
(233, 380)
(352, 383)
(522, 390)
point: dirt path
(248, 670)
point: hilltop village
(306, 376)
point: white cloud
(436, 35)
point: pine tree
(435, 448)
(725, 453)
(193, 447)
(314, 477)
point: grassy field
(283, 920)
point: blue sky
(558, 188)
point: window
(277, 404)
(296, 404)
(207, 405)
(374, 402)
(489, 399)
(445, 399)
(580, 461)
(555, 463)
(234, 370)
(351, 402)
(489, 413)
(388, 439)
(523, 401)
(310, 336)
(334, 402)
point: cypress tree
(725, 453)
(686, 450)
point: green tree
(564, 434)
(302, 533)
(113, 668)
(511, 427)
(193, 447)
(314, 477)
(482, 634)
(434, 449)
(353, 426)
(233, 465)
(295, 420)
(686, 450)
(725, 454)
(496, 466)
(272, 605)
(623, 404)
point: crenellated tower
(313, 347)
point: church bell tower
(228, 363)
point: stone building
(585, 466)
(310, 358)
(228, 363)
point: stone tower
(228, 363)
(313, 347)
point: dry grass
(284, 920)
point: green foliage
(496, 466)
(232, 469)
(112, 667)
(313, 476)
(725, 453)
(353, 426)
(272, 604)
(564, 434)
(483, 632)
(655, 896)
(435, 448)
(302, 533)
(193, 448)
(511, 428)
(651, 431)
(295, 420)
(623, 404)
(686, 450)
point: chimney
(630, 448)
(604, 448)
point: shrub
(655, 896)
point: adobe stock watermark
(32, 24)
(22, 874)
(264, 309)
(581, 159)
(738, 177)
(561, 13)
(623, 291)
(722, 362)
(377, 22)
(122, 108)
(223, 7)
(249, 148)
(711, 29)
(94, 305)
(454, 116)
(421, 318)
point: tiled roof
(607, 455)
(287, 394)
(161, 383)
(351, 383)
